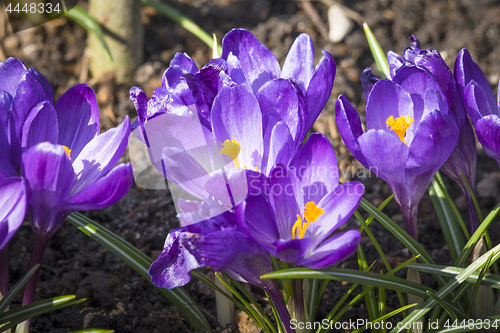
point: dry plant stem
(311, 12)
(4, 270)
(298, 300)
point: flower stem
(4, 272)
(410, 217)
(274, 293)
(473, 216)
(39, 246)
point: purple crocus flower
(481, 105)
(202, 127)
(14, 198)
(220, 244)
(302, 207)
(69, 166)
(463, 158)
(20, 90)
(409, 135)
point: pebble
(340, 24)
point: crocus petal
(11, 72)
(33, 88)
(6, 124)
(488, 134)
(349, 126)
(233, 250)
(291, 250)
(77, 118)
(6, 168)
(256, 217)
(466, 70)
(40, 126)
(140, 100)
(386, 156)
(368, 80)
(236, 115)
(333, 250)
(286, 198)
(257, 61)
(476, 102)
(387, 99)
(171, 268)
(180, 64)
(316, 167)
(338, 206)
(49, 173)
(320, 88)
(283, 98)
(100, 155)
(106, 191)
(395, 62)
(432, 145)
(299, 62)
(235, 72)
(14, 201)
(280, 147)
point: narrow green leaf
(475, 237)
(15, 316)
(448, 288)
(466, 327)
(93, 330)
(390, 314)
(477, 285)
(445, 306)
(89, 23)
(400, 234)
(378, 53)
(447, 217)
(354, 276)
(9, 297)
(182, 20)
(139, 262)
(370, 301)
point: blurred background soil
(117, 298)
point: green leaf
(139, 262)
(390, 314)
(400, 234)
(182, 20)
(446, 306)
(477, 285)
(93, 330)
(378, 53)
(448, 288)
(446, 216)
(354, 276)
(87, 21)
(9, 297)
(13, 317)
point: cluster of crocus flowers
(409, 134)
(240, 111)
(65, 164)
(222, 134)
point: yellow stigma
(68, 151)
(232, 149)
(311, 214)
(400, 125)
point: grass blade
(87, 21)
(378, 53)
(390, 314)
(9, 297)
(182, 20)
(139, 262)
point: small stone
(340, 24)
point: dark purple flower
(409, 135)
(14, 199)
(303, 206)
(480, 103)
(20, 90)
